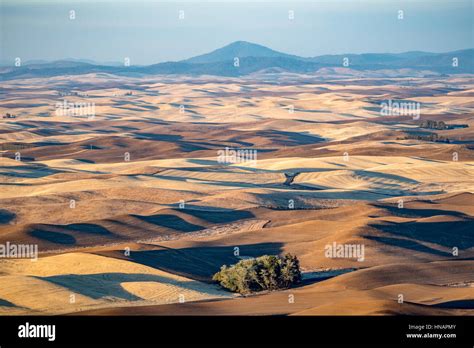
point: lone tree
(266, 272)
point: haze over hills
(256, 58)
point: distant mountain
(254, 58)
(57, 64)
(247, 65)
(240, 49)
(5, 63)
(89, 61)
(439, 62)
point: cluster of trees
(433, 124)
(71, 93)
(266, 272)
(429, 137)
(15, 146)
(430, 124)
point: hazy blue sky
(151, 31)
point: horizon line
(110, 62)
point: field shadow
(5, 303)
(369, 174)
(26, 171)
(170, 221)
(218, 216)
(456, 304)
(158, 137)
(408, 244)
(447, 234)
(201, 262)
(66, 234)
(53, 237)
(6, 216)
(393, 210)
(103, 285)
(289, 138)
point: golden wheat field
(133, 212)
